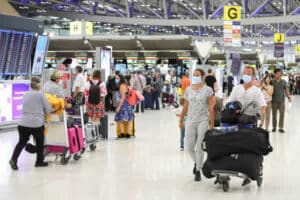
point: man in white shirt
(247, 93)
(78, 85)
(169, 77)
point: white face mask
(247, 78)
(196, 80)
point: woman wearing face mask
(267, 90)
(199, 108)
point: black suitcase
(103, 128)
(248, 163)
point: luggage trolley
(223, 177)
(58, 141)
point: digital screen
(40, 54)
(11, 100)
(236, 64)
(105, 61)
(13, 52)
(82, 60)
(25, 54)
(4, 37)
(150, 60)
(121, 67)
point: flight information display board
(15, 52)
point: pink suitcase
(76, 143)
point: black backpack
(94, 93)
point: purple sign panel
(18, 91)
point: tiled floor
(147, 167)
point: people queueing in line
(124, 111)
(95, 92)
(267, 90)
(250, 96)
(138, 82)
(199, 109)
(78, 86)
(181, 129)
(211, 80)
(230, 83)
(156, 91)
(185, 82)
(35, 107)
(112, 89)
(278, 100)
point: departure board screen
(15, 52)
(25, 54)
(4, 37)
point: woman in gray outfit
(199, 108)
(35, 107)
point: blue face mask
(117, 81)
(246, 78)
(196, 80)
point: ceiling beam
(294, 12)
(204, 9)
(260, 8)
(219, 10)
(170, 22)
(189, 9)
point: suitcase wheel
(93, 147)
(65, 157)
(76, 157)
(225, 186)
(259, 181)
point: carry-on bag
(75, 139)
(103, 128)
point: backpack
(132, 97)
(94, 93)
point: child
(182, 130)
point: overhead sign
(89, 28)
(297, 48)
(76, 28)
(232, 13)
(279, 50)
(232, 26)
(279, 37)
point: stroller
(235, 151)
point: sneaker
(127, 136)
(274, 130)
(42, 164)
(194, 169)
(198, 176)
(181, 148)
(13, 165)
(281, 130)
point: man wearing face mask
(247, 93)
(199, 109)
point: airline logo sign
(232, 26)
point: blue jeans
(156, 99)
(182, 134)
